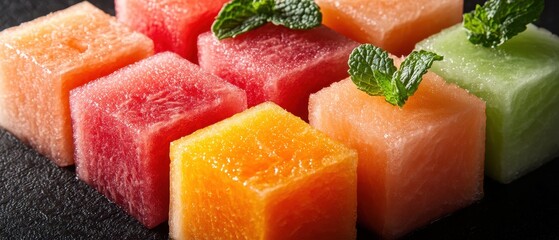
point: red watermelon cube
(123, 125)
(273, 63)
(173, 25)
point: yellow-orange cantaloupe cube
(262, 174)
(392, 25)
(42, 60)
(417, 163)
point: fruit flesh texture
(174, 25)
(262, 174)
(393, 26)
(519, 81)
(124, 123)
(416, 164)
(42, 60)
(273, 63)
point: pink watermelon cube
(174, 25)
(42, 60)
(417, 163)
(124, 123)
(273, 63)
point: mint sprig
(240, 16)
(297, 14)
(374, 72)
(497, 21)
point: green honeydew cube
(519, 80)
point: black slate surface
(41, 201)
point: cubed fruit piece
(124, 123)
(416, 163)
(174, 25)
(520, 83)
(392, 25)
(42, 60)
(262, 174)
(273, 63)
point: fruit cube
(124, 123)
(174, 25)
(262, 174)
(273, 63)
(417, 163)
(392, 25)
(519, 80)
(42, 60)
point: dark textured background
(41, 201)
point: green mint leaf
(240, 16)
(373, 71)
(497, 21)
(394, 91)
(297, 14)
(414, 67)
(369, 65)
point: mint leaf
(240, 16)
(297, 14)
(394, 91)
(373, 71)
(368, 63)
(497, 21)
(414, 67)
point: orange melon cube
(42, 60)
(416, 163)
(262, 174)
(392, 25)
